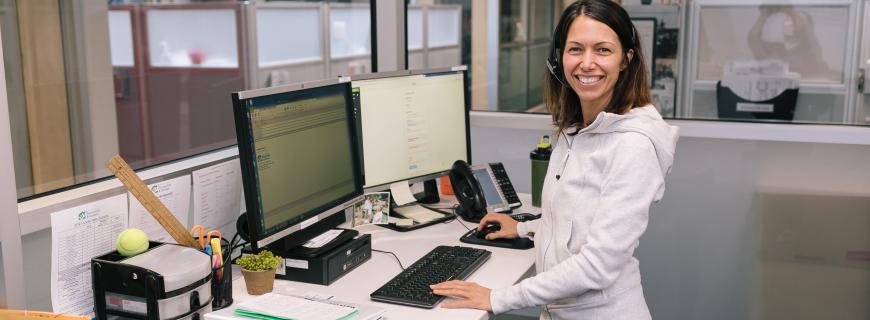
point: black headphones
(554, 62)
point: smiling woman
(599, 66)
(597, 207)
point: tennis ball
(131, 242)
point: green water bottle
(540, 160)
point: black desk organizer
(783, 105)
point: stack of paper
(273, 306)
(759, 80)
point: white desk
(504, 268)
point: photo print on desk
(373, 208)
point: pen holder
(222, 280)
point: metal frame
(10, 232)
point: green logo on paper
(82, 215)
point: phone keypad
(504, 184)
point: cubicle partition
(167, 72)
(434, 36)
(292, 42)
(814, 39)
(188, 66)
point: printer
(168, 281)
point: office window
(151, 80)
(506, 77)
(435, 34)
(781, 63)
(337, 41)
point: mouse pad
(518, 243)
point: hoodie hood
(645, 120)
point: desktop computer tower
(329, 266)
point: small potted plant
(259, 271)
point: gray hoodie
(593, 215)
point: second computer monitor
(412, 125)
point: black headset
(554, 62)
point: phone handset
(466, 188)
(481, 189)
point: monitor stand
(429, 194)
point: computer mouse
(490, 228)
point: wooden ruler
(123, 172)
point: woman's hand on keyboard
(467, 294)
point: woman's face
(592, 61)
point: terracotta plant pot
(259, 282)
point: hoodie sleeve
(528, 229)
(633, 181)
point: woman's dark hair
(632, 87)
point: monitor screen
(411, 126)
(299, 160)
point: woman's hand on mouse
(508, 226)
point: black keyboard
(411, 286)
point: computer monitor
(413, 125)
(299, 160)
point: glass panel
(809, 40)
(773, 62)
(349, 32)
(273, 24)
(537, 70)
(443, 25)
(542, 20)
(415, 29)
(512, 21)
(121, 38)
(513, 78)
(448, 35)
(178, 104)
(192, 38)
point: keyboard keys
(411, 286)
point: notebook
(363, 312)
(274, 306)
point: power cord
(394, 256)
(462, 224)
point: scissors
(198, 231)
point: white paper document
(418, 213)
(402, 193)
(175, 195)
(290, 307)
(77, 235)
(322, 239)
(216, 191)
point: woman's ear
(628, 56)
